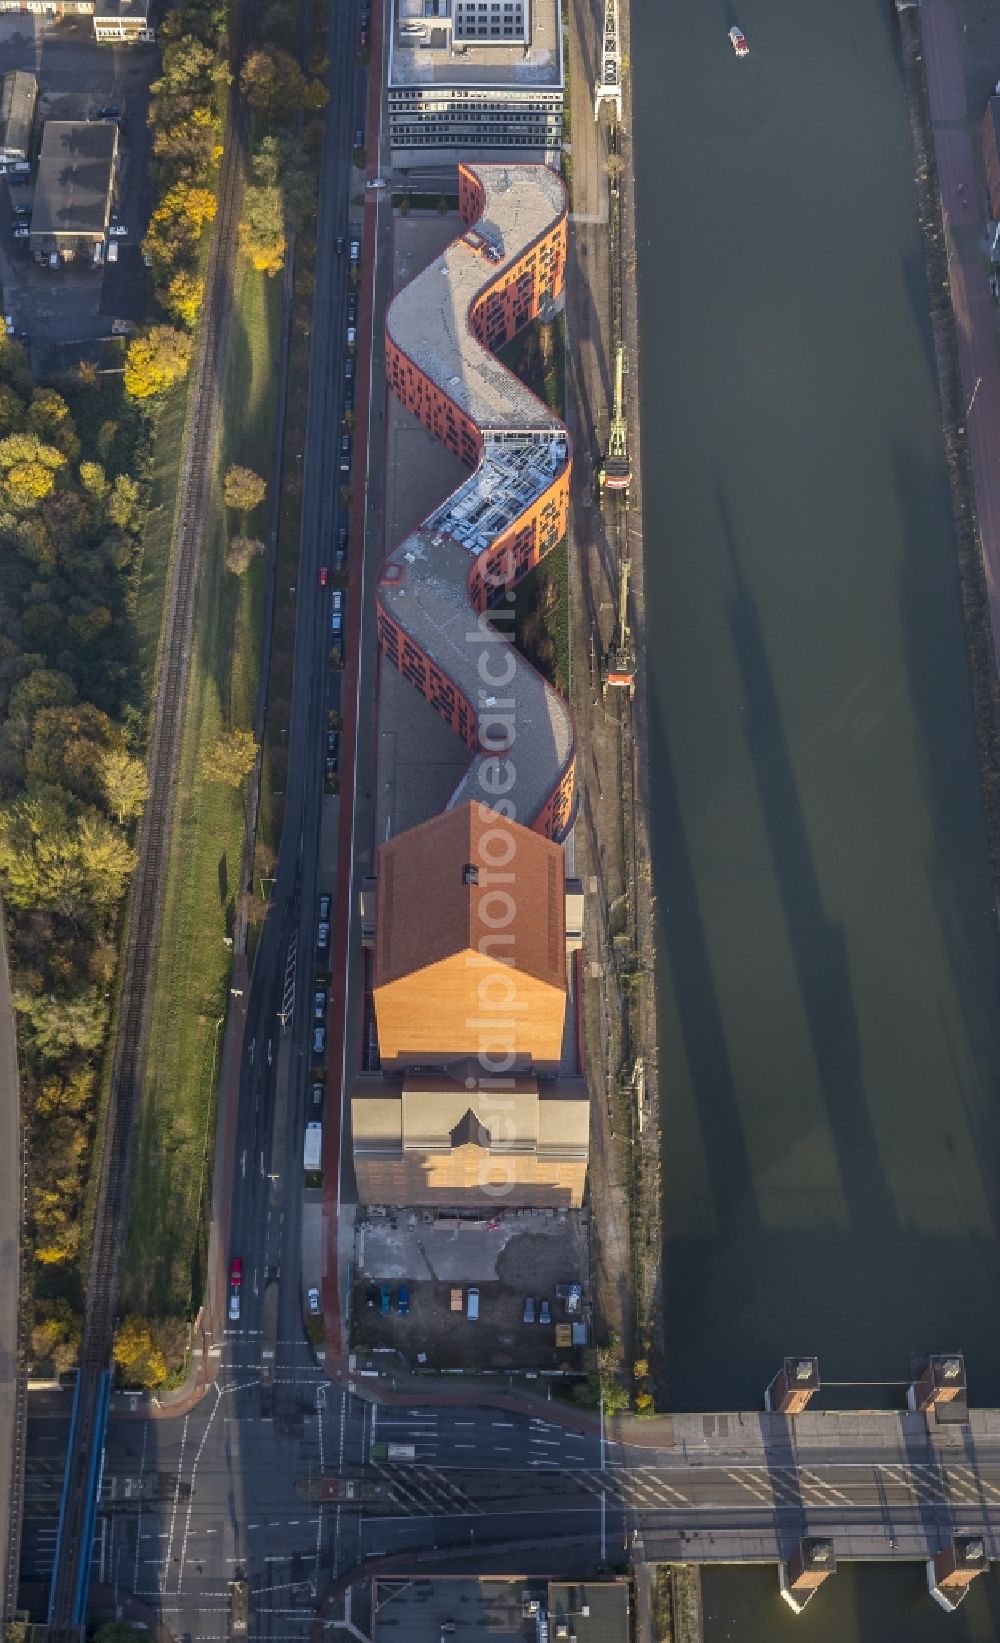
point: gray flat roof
(426, 590)
(429, 319)
(75, 174)
(430, 601)
(422, 52)
(18, 95)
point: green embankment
(163, 1253)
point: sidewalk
(961, 72)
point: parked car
(376, 183)
(323, 576)
(337, 599)
(352, 304)
(362, 38)
(355, 249)
(324, 907)
(317, 1097)
(385, 1300)
(113, 251)
(234, 1305)
(21, 208)
(348, 369)
(319, 1040)
(544, 1313)
(21, 231)
(312, 1300)
(323, 937)
(118, 231)
(352, 336)
(359, 142)
(404, 1300)
(332, 750)
(345, 453)
(348, 396)
(236, 1271)
(319, 1004)
(110, 111)
(472, 1305)
(529, 1309)
(340, 245)
(336, 622)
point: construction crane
(616, 471)
(618, 662)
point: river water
(828, 959)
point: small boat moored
(738, 41)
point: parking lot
(71, 308)
(525, 1254)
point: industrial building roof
(429, 46)
(390, 1116)
(75, 177)
(18, 95)
(429, 319)
(435, 885)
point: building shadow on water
(817, 942)
(958, 873)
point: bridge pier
(943, 1381)
(807, 1568)
(952, 1571)
(793, 1386)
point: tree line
(74, 464)
(187, 119)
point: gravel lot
(506, 1260)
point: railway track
(71, 1568)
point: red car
(236, 1272)
(323, 574)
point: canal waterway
(828, 957)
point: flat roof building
(464, 1140)
(471, 78)
(75, 185)
(18, 96)
(126, 20)
(437, 585)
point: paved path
(954, 122)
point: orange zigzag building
(435, 588)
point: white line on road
(177, 1492)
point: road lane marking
(177, 1490)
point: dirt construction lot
(508, 1260)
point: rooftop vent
(470, 873)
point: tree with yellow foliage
(184, 296)
(139, 1360)
(155, 360)
(231, 758)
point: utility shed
(74, 186)
(18, 96)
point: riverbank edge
(647, 1213)
(984, 680)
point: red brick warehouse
(502, 272)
